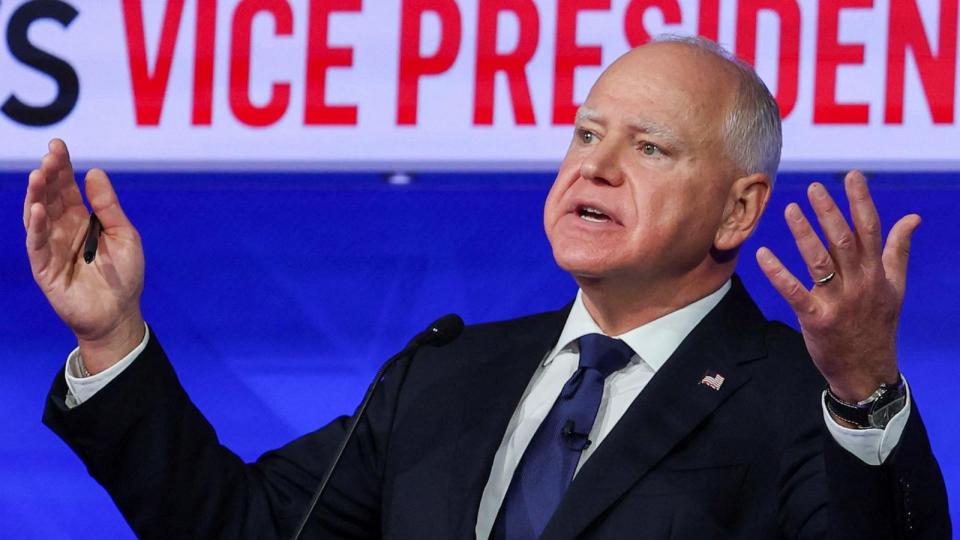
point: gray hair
(752, 132)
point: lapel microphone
(438, 333)
(575, 440)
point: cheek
(709, 206)
(553, 206)
(652, 208)
(664, 216)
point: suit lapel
(495, 385)
(671, 406)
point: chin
(581, 262)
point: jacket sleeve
(903, 498)
(160, 460)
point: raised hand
(849, 318)
(99, 301)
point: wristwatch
(875, 411)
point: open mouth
(593, 215)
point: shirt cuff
(80, 388)
(872, 446)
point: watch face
(881, 415)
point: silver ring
(826, 279)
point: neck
(620, 305)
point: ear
(745, 204)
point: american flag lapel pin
(712, 379)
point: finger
(62, 192)
(866, 220)
(66, 182)
(789, 287)
(70, 191)
(103, 200)
(49, 168)
(35, 194)
(818, 259)
(843, 245)
(57, 145)
(896, 253)
(38, 236)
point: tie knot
(604, 354)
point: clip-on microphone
(574, 439)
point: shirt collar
(653, 342)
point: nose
(602, 164)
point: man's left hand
(849, 315)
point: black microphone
(575, 440)
(438, 333)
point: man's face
(641, 190)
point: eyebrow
(635, 123)
(586, 113)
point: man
(702, 421)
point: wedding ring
(826, 279)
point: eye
(586, 136)
(650, 149)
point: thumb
(104, 202)
(896, 252)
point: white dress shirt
(652, 343)
(81, 388)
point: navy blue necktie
(547, 466)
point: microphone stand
(440, 332)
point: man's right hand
(99, 301)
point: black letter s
(59, 70)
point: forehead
(666, 84)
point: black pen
(93, 237)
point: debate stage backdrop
(256, 144)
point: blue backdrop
(278, 295)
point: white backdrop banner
(448, 84)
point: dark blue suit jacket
(752, 460)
